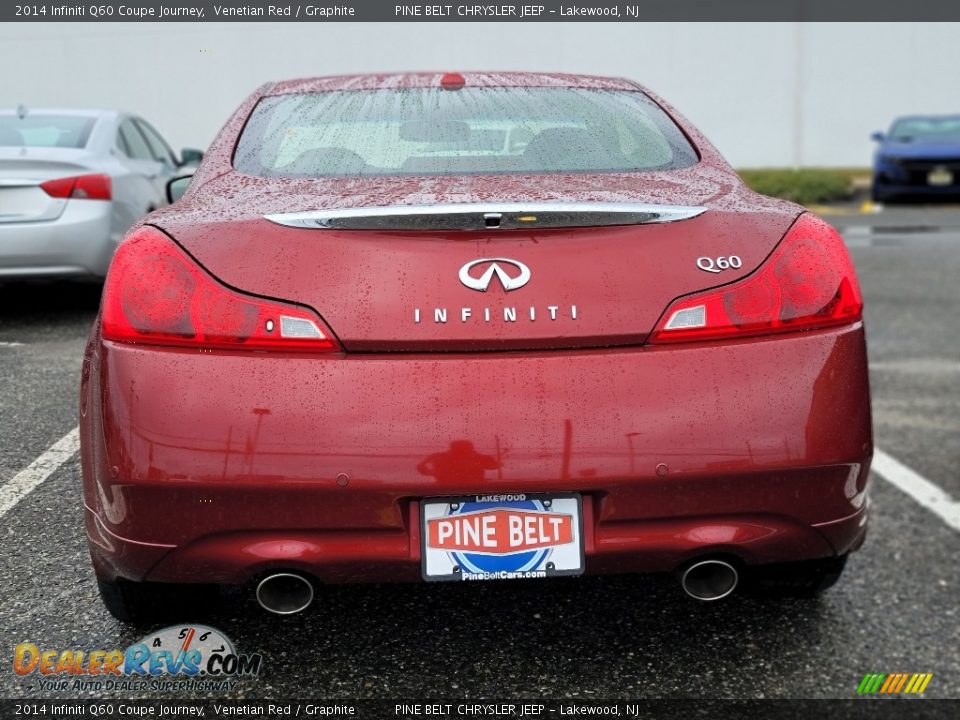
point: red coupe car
(473, 326)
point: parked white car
(72, 182)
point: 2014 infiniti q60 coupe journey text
(471, 326)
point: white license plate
(940, 176)
(501, 537)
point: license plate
(940, 176)
(501, 537)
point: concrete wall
(768, 94)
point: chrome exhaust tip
(285, 593)
(709, 579)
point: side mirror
(177, 187)
(191, 156)
(877, 136)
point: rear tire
(798, 579)
(143, 602)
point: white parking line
(18, 487)
(918, 366)
(932, 497)
(11, 344)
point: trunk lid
(549, 283)
(22, 170)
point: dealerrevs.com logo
(180, 657)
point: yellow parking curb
(832, 210)
(867, 207)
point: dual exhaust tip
(287, 593)
(709, 580)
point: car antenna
(21, 111)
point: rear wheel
(143, 602)
(799, 579)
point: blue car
(920, 156)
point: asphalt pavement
(895, 609)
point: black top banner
(544, 11)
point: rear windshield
(64, 131)
(431, 131)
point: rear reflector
(80, 187)
(156, 294)
(807, 282)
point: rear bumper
(339, 556)
(78, 243)
(917, 190)
(215, 467)
(892, 181)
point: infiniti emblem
(520, 274)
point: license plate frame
(564, 558)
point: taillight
(156, 294)
(81, 187)
(807, 282)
